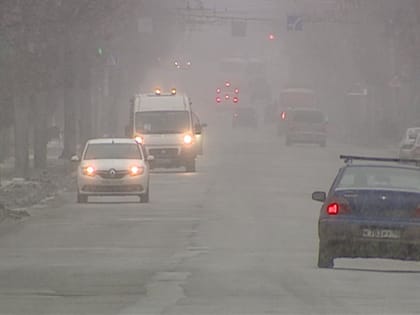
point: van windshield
(156, 122)
(313, 117)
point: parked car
(110, 166)
(245, 117)
(372, 210)
(410, 144)
(307, 125)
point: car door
(198, 134)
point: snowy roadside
(17, 194)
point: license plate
(381, 233)
(112, 182)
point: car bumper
(97, 186)
(361, 238)
(171, 156)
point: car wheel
(144, 198)
(82, 198)
(190, 166)
(325, 258)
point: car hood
(117, 164)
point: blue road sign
(294, 23)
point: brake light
(218, 99)
(283, 115)
(136, 170)
(236, 91)
(89, 170)
(227, 84)
(227, 96)
(188, 139)
(333, 208)
(338, 205)
(235, 99)
(218, 90)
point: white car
(113, 167)
(408, 146)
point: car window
(308, 117)
(380, 177)
(155, 122)
(96, 151)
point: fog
(236, 231)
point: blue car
(372, 210)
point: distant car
(410, 144)
(307, 125)
(113, 167)
(372, 210)
(245, 117)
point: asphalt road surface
(237, 237)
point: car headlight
(139, 139)
(136, 170)
(188, 139)
(89, 170)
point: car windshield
(412, 133)
(308, 117)
(100, 151)
(155, 122)
(380, 177)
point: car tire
(144, 198)
(82, 198)
(325, 257)
(190, 166)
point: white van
(167, 127)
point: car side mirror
(319, 196)
(75, 158)
(197, 129)
(150, 158)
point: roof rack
(348, 159)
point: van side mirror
(197, 129)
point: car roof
(112, 140)
(383, 165)
(363, 161)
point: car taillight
(283, 115)
(218, 99)
(89, 170)
(136, 170)
(235, 99)
(340, 206)
(333, 208)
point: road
(237, 237)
